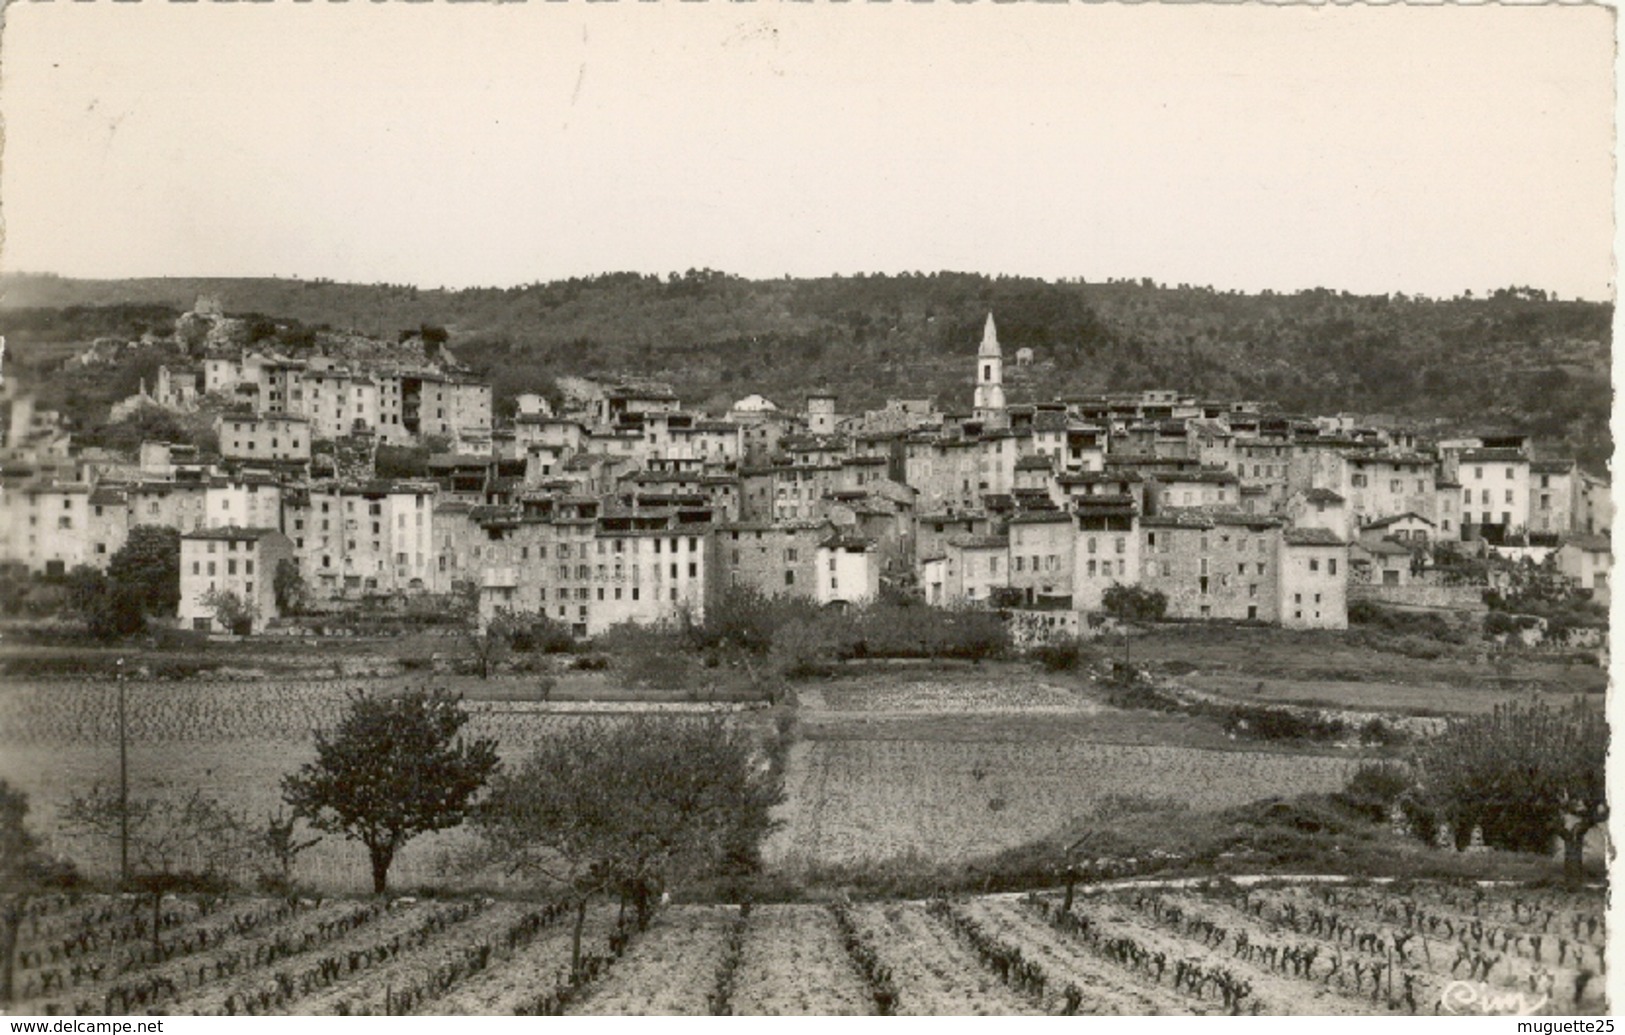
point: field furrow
(538, 967)
(794, 963)
(936, 975)
(670, 968)
(403, 975)
(1108, 989)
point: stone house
(1314, 572)
(1223, 566)
(1042, 546)
(242, 561)
(975, 566)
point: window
(1091, 567)
(1509, 495)
(1331, 566)
(1314, 564)
(1510, 475)
(1394, 487)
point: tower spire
(989, 397)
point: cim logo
(1477, 997)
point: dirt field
(958, 764)
(235, 740)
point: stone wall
(1419, 597)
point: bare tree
(624, 806)
(175, 844)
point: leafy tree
(288, 586)
(394, 768)
(1525, 773)
(1134, 603)
(625, 806)
(149, 563)
(110, 610)
(230, 610)
(401, 462)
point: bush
(591, 663)
(747, 618)
(1377, 733)
(1374, 788)
(540, 634)
(1138, 695)
(1134, 603)
(1409, 624)
(648, 657)
(1061, 656)
(1364, 612)
(1265, 723)
(802, 650)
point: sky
(1369, 149)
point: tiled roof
(1323, 496)
(1313, 537)
(1042, 517)
(230, 532)
(1590, 543)
(1385, 547)
(1499, 455)
(1409, 515)
(979, 542)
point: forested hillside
(1516, 360)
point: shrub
(802, 650)
(590, 663)
(648, 657)
(1265, 723)
(1374, 788)
(539, 633)
(1134, 603)
(1139, 695)
(1364, 612)
(747, 618)
(1060, 656)
(1377, 733)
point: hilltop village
(612, 504)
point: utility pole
(123, 785)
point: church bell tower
(989, 400)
